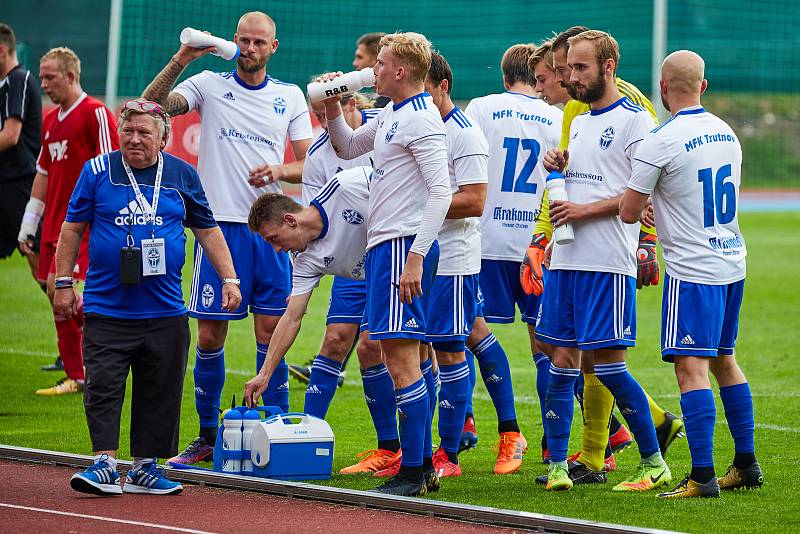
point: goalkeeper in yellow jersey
(596, 400)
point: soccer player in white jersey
(246, 116)
(345, 313)
(329, 237)
(589, 299)
(519, 128)
(409, 199)
(692, 167)
(454, 297)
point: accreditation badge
(154, 261)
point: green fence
(752, 50)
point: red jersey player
(78, 130)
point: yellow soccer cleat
(65, 386)
(688, 488)
(371, 461)
(558, 478)
(750, 478)
(510, 448)
(645, 478)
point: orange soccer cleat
(371, 461)
(443, 466)
(510, 448)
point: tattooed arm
(160, 89)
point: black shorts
(14, 197)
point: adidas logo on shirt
(131, 215)
(446, 405)
(551, 415)
(327, 260)
(411, 323)
(687, 340)
(314, 390)
(494, 379)
(229, 96)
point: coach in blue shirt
(138, 201)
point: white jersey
(520, 129)
(242, 126)
(692, 166)
(467, 157)
(602, 144)
(322, 162)
(340, 248)
(410, 185)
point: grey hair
(163, 126)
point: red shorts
(47, 260)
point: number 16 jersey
(520, 129)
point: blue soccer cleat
(98, 479)
(150, 479)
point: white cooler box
(292, 446)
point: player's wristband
(64, 282)
(235, 281)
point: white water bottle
(197, 39)
(342, 85)
(557, 190)
(232, 440)
(250, 420)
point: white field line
(105, 519)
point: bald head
(684, 71)
(256, 18)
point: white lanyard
(148, 211)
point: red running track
(37, 498)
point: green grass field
(768, 343)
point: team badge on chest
(279, 105)
(607, 137)
(391, 132)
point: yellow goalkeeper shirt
(572, 109)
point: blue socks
(379, 396)
(472, 378)
(738, 403)
(632, 404)
(321, 386)
(412, 406)
(699, 417)
(559, 404)
(497, 376)
(277, 392)
(426, 368)
(542, 363)
(453, 397)
(209, 378)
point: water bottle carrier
(284, 446)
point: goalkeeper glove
(647, 261)
(530, 272)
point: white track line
(107, 519)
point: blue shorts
(265, 275)
(588, 310)
(348, 299)
(388, 318)
(501, 291)
(699, 319)
(452, 308)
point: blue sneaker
(150, 479)
(97, 479)
(469, 436)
